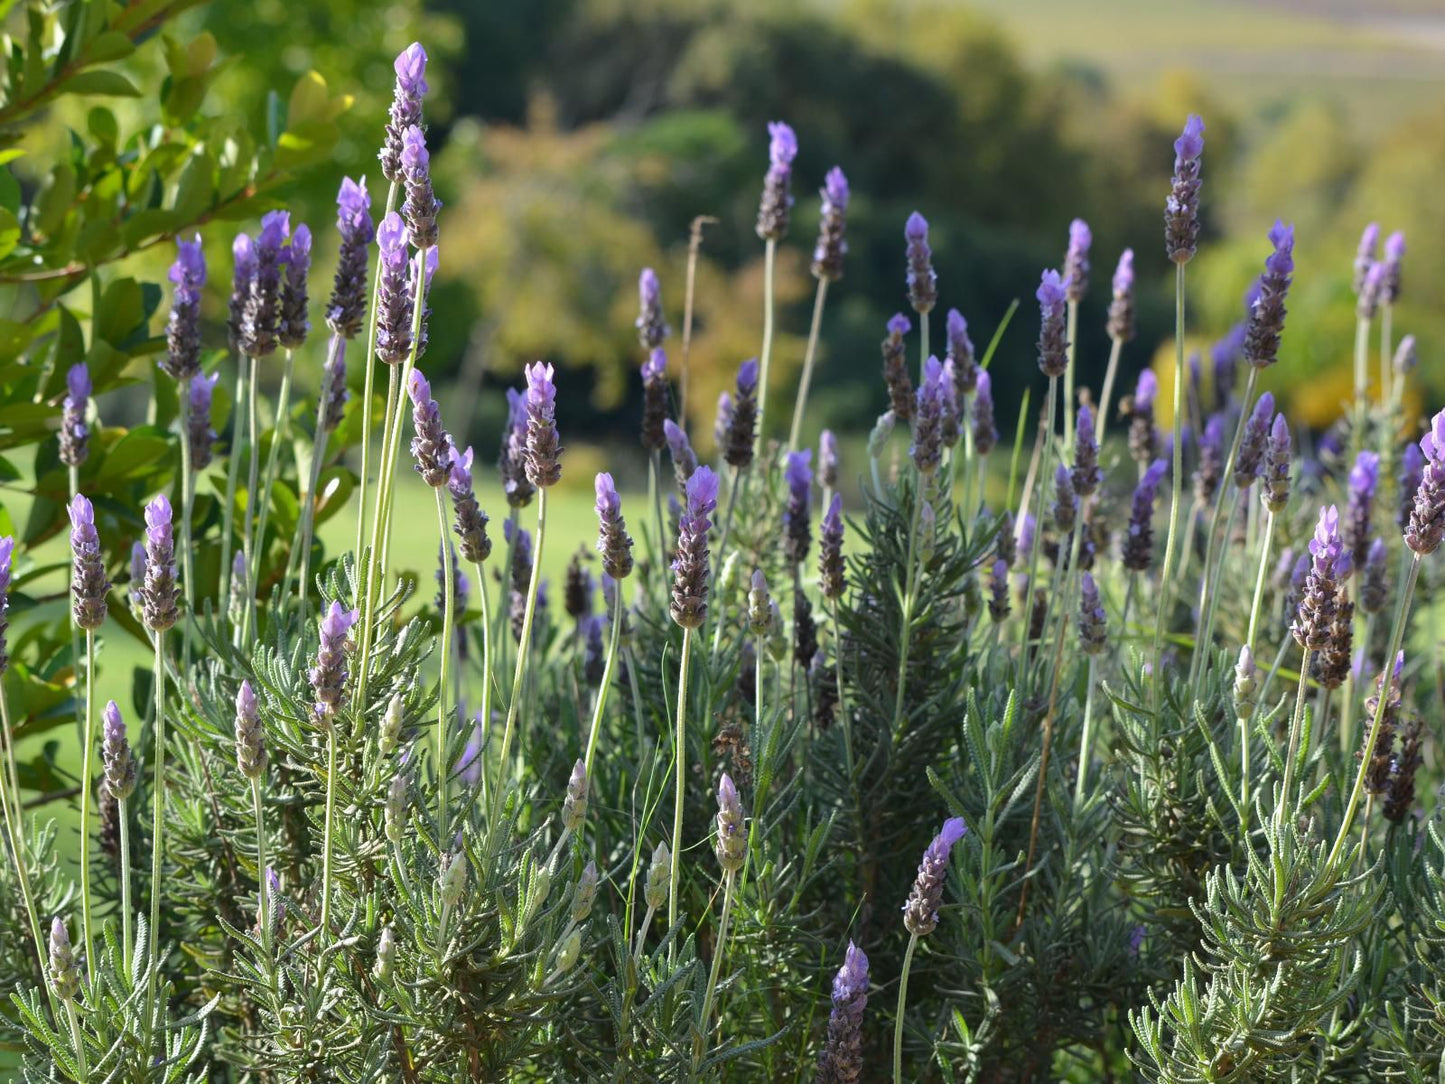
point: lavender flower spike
(64, 974)
(243, 253)
(7, 556)
(120, 770)
(1426, 526)
(328, 676)
(830, 550)
(421, 206)
(1252, 442)
(1394, 256)
(613, 541)
(1138, 549)
(1053, 335)
(200, 434)
(1087, 474)
(159, 595)
(998, 600)
(832, 243)
(544, 465)
(182, 359)
(654, 401)
(574, 805)
(1181, 208)
(922, 279)
(1274, 491)
(1093, 622)
(985, 434)
(1076, 260)
(742, 421)
(431, 447)
(74, 433)
(88, 584)
(393, 299)
(842, 1059)
(1316, 614)
(294, 324)
(960, 351)
(471, 521)
(1366, 254)
(690, 567)
(731, 846)
(512, 463)
(250, 740)
(1065, 508)
(895, 368)
(651, 325)
(1266, 315)
(827, 459)
(920, 913)
(1359, 510)
(346, 311)
(1121, 308)
(411, 85)
(684, 460)
(797, 530)
(927, 450)
(1407, 481)
(333, 388)
(776, 206)
(260, 315)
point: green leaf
(196, 188)
(9, 232)
(111, 45)
(136, 455)
(120, 311)
(101, 123)
(103, 81)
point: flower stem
(606, 685)
(1166, 572)
(1362, 365)
(273, 463)
(75, 1039)
(367, 556)
(10, 805)
(770, 255)
(1259, 579)
(188, 500)
(1295, 724)
(1210, 588)
(448, 619)
(1387, 319)
(87, 779)
(253, 471)
(125, 906)
(264, 918)
(1045, 450)
(680, 756)
(909, 583)
(369, 385)
(1072, 333)
(327, 844)
(808, 358)
(486, 605)
(158, 792)
(305, 522)
(1086, 742)
(1115, 347)
(699, 1041)
(233, 469)
(902, 1004)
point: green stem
(75, 1039)
(448, 619)
(87, 779)
(1086, 742)
(1072, 332)
(367, 557)
(606, 685)
(770, 253)
(368, 387)
(909, 582)
(1387, 376)
(808, 358)
(188, 499)
(680, 757)
(699, 1042)
(1347, 709)
(1115, 346)
(327, 843)
(126, 918)
(1259, 579)
(902, 1004)
(9, 799)
(273, 462)
(486, 605)
(1362, 352)
(158, 792)
(1209, 599)
(233, 469)
(1295, 724)
(1045, 452)
(1166, 572)
(1397, 633)
(301, 543)
(263, 920)
(253, 471)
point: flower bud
(585, 893)
(657, 886)
(574, 806)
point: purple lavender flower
(1138, 549)
(1316, 613)
(1210, 468)
(544, 452)
(160, 592)
(1027, 532)
(1394, 256)
(1277, 456)
(346, 311)
(243, 254)
(684, 460)
(1360, 507)
(7, 556)
(594, 653)
(1065, 508)
(115, 753)
(1405, 358)
(985, 435)
(293, 324)
(1053, 335)
(74, 433)
(742, 422)
(421, 206)
(182, 359)
(776, 205)
(138, 576)
(1225, 355)
(64, 974)
(842, 1059)
(1374, 578)
(613, 541)
(920, 912)
(1426, 526)
(922, 280)
(512, 464)
(951, 420)
(1181, 209)
(998, 600)
(393, 299)
(431, 257)
(1371, 288)
(471, 522)
(431, 447)
(960, 351)
(88, 584)
(260, 315)
(1366, 254)
(1093, 622)
(1076, 260)
(250, 738)
(724, 419)
(1266, 316)
(1087, 474)
(328, 675)
(199, 432)
(410, 67)
(832, 243)
(690, 566)
(333, 387)
(830, 550)
(895, 368)
(732, 845)
(1412, 473)
(1252, 442)
(797, 530)
(654, 401)
(651, 325)
(927, 449)
(1121, 308)
(827, 459)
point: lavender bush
(1188, 829)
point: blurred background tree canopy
(577, 139)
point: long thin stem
(1259, 579)
(75, 1039)
(902, 1004)
(909, 583)
(1347, 708)
(694, 244)
(680, 756)
(448, 620)
(233, 470)
(126, 917)
(1045, 451)
(158, 801)
(1387, 320)
(87, 779)
(1087, 741)
(188, 500)
(1072, 332)
(1166, 572)
(770, 254)
(366, 557)
(305, 522)
(273, 461)
(264, 918)
(486, 604)
(1115, 346)
(368, 389)
(1362, 364)
(606, 685)
(253, 481)
(1210, 584)
(328, 839)
(806, 380)
(699, 1042)
(1295, 724)
(1397, 633)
